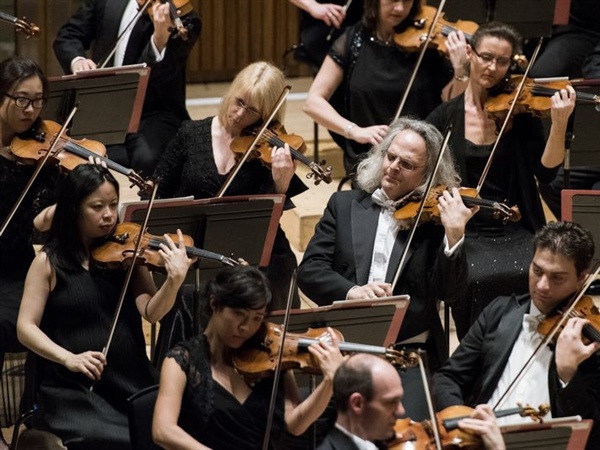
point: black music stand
(109, 102)
(532, 19)
(583, 207)
(565, 433)
(372, 322)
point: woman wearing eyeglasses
(199, 159)
(499, 254)
(23, 91)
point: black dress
(16, 250)
(212, 415)
(499, 254)
(375, 78)
(78, 317)
(188, 168)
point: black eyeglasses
(24, 102)
(488, 59)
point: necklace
(385, 42)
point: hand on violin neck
(563, 104)
(571, 350)
(282, 168)
(177, 262)
(454, 215)
(327, 352)
(162, 25)
(483, 423)
(456, 43)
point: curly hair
(369, 171)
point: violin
(584, 309)
(117, 249)
(413, 37)
(21, 26)
(275, 136)
(177, 9)
(419, 435)
(69, 152)
(534, 99)
(409, 210)
(257, 358)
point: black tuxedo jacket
(338, 257)
(337, 440)
(95, 26)
(472, 373)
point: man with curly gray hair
(358, 243)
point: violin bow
(129, 274)
(434, 424)
(332, 29)
(257, 138)
(284, 326)
(420, 59)
(488, 164)
(38, 169)
(103, 62)
(421, 207)
(550, 336)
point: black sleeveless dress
(78, 317)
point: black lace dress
(188, 168)
(16, 250)
(78, 317)
(212, 415)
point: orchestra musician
(358, 89)
(66, 312)
(357, 245)
(199, 159)
(204, 402)
(97, 24)
(523, 156)
(321, 23)
(23, 92)
(368, 395)
(490, 356)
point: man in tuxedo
(499, 343)
(357, 246)
(97, 25)
(368, 395)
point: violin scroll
(21, 26)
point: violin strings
(593, 334)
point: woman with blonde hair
(199, 159)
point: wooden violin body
(413, 37)
(275, 136)
(68, 153)
(178, 9)
(584, 309)
(534, 99)
(258, 357)
(118, 248)
(408, 211)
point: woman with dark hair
(203, 402)
(23, 92)
(67, 311)
(522, 158)
(360, 85)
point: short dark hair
(18, 68)
(498, 30)
(568, 239)
(64, 245)
(371, 14)
(353, 375)
(237, 287)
